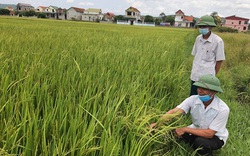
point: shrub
(226, 29)
(41, 15)
(4, 12)
(28, 13)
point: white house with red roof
(181, 20)
(52, 12)
(239, 23)
(75, 13)
(41, 9)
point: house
(92, 14)
(75, 13)
(132, 15)
(10, 7)
(239, 23)
(109, 16)
(62, 13)
(41, 9)
(51, 12)
(24, 7)
(181, 20)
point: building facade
(92, 15)
(181, 20)
(24, 7)
(75, 13)
(239, 23)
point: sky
(196, 8)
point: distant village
(132, 16)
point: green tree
(149, 18)
(41, 15)
(157, 21)
(4, 12)
(217, 18)
(119, 17)
(163, 17)
(170, 19)
(29, 13)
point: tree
(28, 13)
(41, 15)
(170, 19)
(4, 12)
(217, 18)
(158, 21)
(163, 17)
(119, 17)
(149, 18)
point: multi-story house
(132, 15)
(51, 12)
(75, 13)
(41, 9)
(24, 7)
(62, 13)
(239, 23)
(92, 14)
(181, 20)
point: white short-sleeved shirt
(206, 52)
(214, 117)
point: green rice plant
(80, 88)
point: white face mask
(203, 31)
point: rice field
(79, 88)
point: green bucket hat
(209, 82)
(206, 21)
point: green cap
(209, 82)
(206, 21)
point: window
(245, 22)
(239, 22)
(129, 13)
(232, 22)
(244, 28)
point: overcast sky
(197, 8)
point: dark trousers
(193, 89)
(204, 145)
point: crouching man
(209, 114)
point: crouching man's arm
(206, 133)
(168, 116)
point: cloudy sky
(197, 8)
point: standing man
(209, 114)
(208, 52)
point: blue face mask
(205, 98)
(203, 31)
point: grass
(79, 88)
